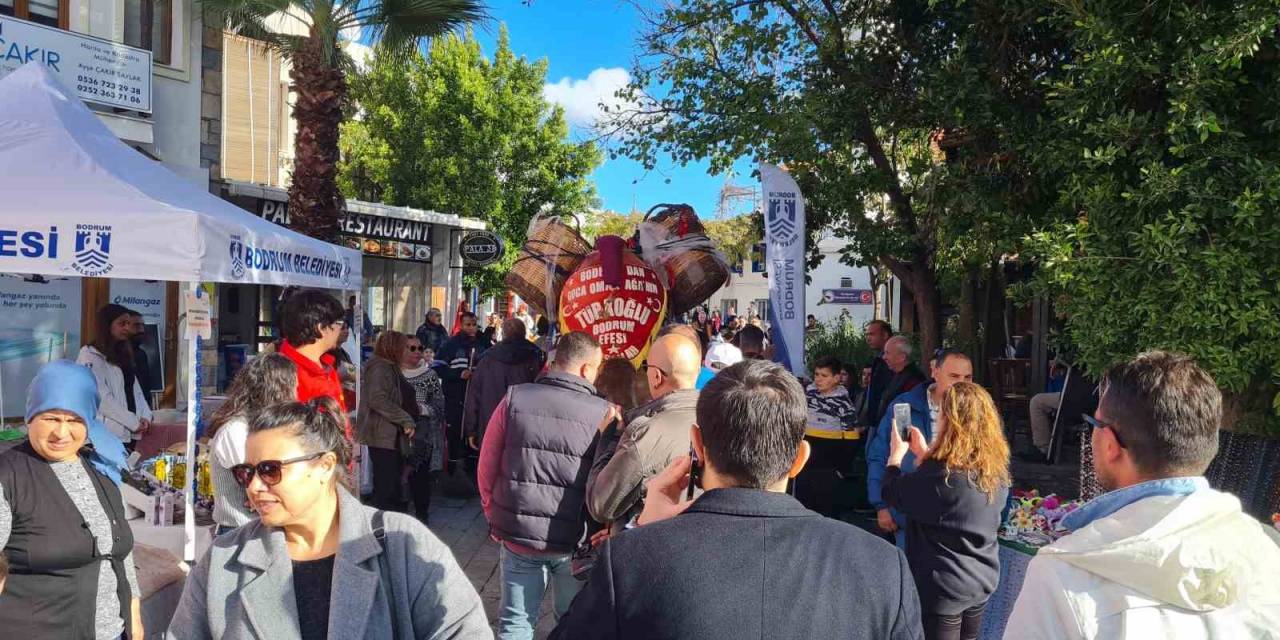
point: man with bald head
(655, 433)
(706, 373)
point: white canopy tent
(76, 201)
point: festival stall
(80, 203)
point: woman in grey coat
(318, 564)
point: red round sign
(623, 319)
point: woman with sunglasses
(268, 380)
(386, 420)
(427, 452)
(318, 564)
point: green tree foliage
(853, 97)
(734, 237)
(1167, 135)
(458, 133)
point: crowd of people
(688, 497)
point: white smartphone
(902, 420)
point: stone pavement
(461, 525)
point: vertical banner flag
(784, 260)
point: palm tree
(319, 75)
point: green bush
(839, 338)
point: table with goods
(1031, 521)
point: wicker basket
(552, 247)
(694, 273)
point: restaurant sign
(481, 248)
(98, 71)
(397, 238)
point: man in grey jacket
(656, 433)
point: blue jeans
(524, 581)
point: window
(846, 283)
(762, 309)
(148, 24)
(52, 13)
(728, 307)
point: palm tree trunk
(315, 203)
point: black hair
(543, 326)
(305, 312)
(513, 329)
(317, 425)
(574, 348)
(119, 353)
(4, 567)
(468, 314)
(1166, 410)
(751, 341)
(267, 380)
(940, 356)
(830, 363)
(752, 418)
(883, 324)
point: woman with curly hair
(953, 502)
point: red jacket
(315, 380)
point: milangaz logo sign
(481, 248)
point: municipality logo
(237, 258)
(781, 219)
(93, 250)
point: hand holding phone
(695, 473)
(902, 420)
(662, 492)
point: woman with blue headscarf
(62, 520)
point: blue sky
(589, 46)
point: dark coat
(549, 444)
(432, 336)
(951, 535)
(881, 376)
(909, 379)
(460, 353)
(509, 363)
(746, 563)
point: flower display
(1035, 520)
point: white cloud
(582, 98)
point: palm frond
(401, 23)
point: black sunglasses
(269, 470)
(1098, 424)
(414, 348)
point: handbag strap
(384, 571)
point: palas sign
(615, 297)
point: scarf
(67, 386)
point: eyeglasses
(654, 366)
(269, 470)
(1098, 424)
(414, 348)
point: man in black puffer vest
(534, 463)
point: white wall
(827, 275)
(175, 117)
(749, 287)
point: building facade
(834, 291)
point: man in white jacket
(1161, 555)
